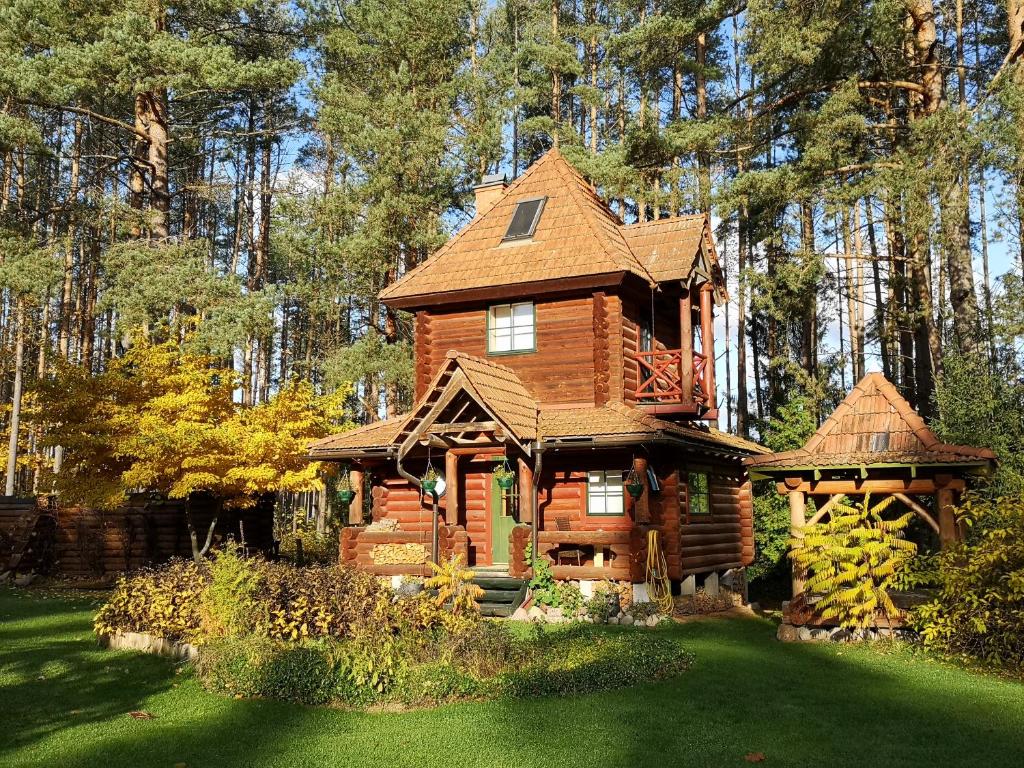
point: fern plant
(456, 592)
(854, 560)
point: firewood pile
(385, 524)
(399, 554)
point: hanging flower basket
(505, 476)
(635, 488)
(429, 480)
(345, 496)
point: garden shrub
(592, 661)
(231, 604)
(166, 602)
(979, 612)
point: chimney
(488, 192)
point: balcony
(668, 385)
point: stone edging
(138, 641)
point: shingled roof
(577, 236)
(873, 425)
(499, 389)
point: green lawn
(66, 703)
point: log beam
(919, 510)
(451, 482)
(948, 533)
(355, 509)
(641, 506)
(525, 492)
(797, 520)
(707, 342)
(686, 347)
(857, 487)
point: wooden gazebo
(873, 443)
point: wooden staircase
(502, 593)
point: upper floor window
(604, 493)
(510, 328)
(524, 220)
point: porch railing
(575, 554)
(661, 377)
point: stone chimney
(488, 192)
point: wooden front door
(502, 522)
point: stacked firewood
(399, 554)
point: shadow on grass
(746, 693)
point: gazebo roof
(874, 426)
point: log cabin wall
(724, 538)
(636, 312)
(564, 340)
(395, 498)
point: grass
(66, 703)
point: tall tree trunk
(19, 364)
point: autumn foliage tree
(164, 419)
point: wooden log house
(555, 341)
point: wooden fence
(80, 543)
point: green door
(502, 522)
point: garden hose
(659, 588)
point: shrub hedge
(323, 635)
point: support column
(797, 520)
(355, 509)
(451, 493)
(707, 335)
(525, 492)
(686, 346)
(641, 506)
(948, 533)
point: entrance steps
(502, 593)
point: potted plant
(634, 485)
(344, 491)
(429, 480)
(505, 477)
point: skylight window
(524, 220)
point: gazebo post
(797, 520)
(944, 501)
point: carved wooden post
(525, 492)
(686, 346)
(948, 533)
(707, 335)
(451, 482)
(641, 506)
(797, 520)
(355, 509)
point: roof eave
(507, 290)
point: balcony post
(355, 509)
(707, 336)
(686, 346)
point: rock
(627, 620)
(621, 615)
(842, 635)
(24, 580)
(535, 613)
(787, 633)
(755, 607)
(409, 588)
(804, 634)
(653, 621)
(820, 634)
(5, 577)
(555, 613)
(520, 614)
(613, 619)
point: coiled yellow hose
(659, 588)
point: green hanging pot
(635, 488)
(505, 482)
(429, 485)
(345, 496)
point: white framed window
(604, 492)
(511, 328)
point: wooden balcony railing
(661, 378)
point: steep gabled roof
(577, 236)
(668, 248)
(873, 425)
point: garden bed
(333, 635)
